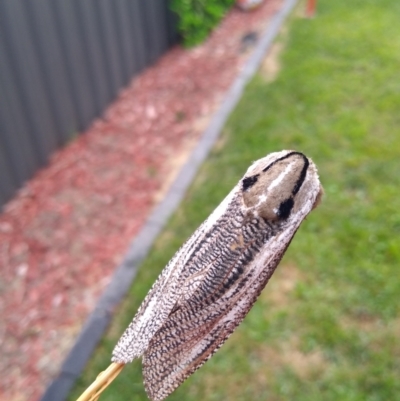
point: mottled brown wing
(194, 332)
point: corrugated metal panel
(15, 140)
(7, 184)
(52, 63)
(138, 34)
(125, 37)
(77, 66)
(91, 40)
(29, 80)
(62, 62)
(154, 41)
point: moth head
(281, 185)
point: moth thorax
(271, 192)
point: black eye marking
(285, 208)
(302, 177)
(249, 182)
(303, 173)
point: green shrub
(198, 17)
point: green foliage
(198, 17)
(327, 325)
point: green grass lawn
(327, 326)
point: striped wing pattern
(190, 336)
(214, 279)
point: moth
(213, 280)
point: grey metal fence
(61, 63)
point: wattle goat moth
(213, 280)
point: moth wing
(156, 307)
(192, 334)
(168, 291)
